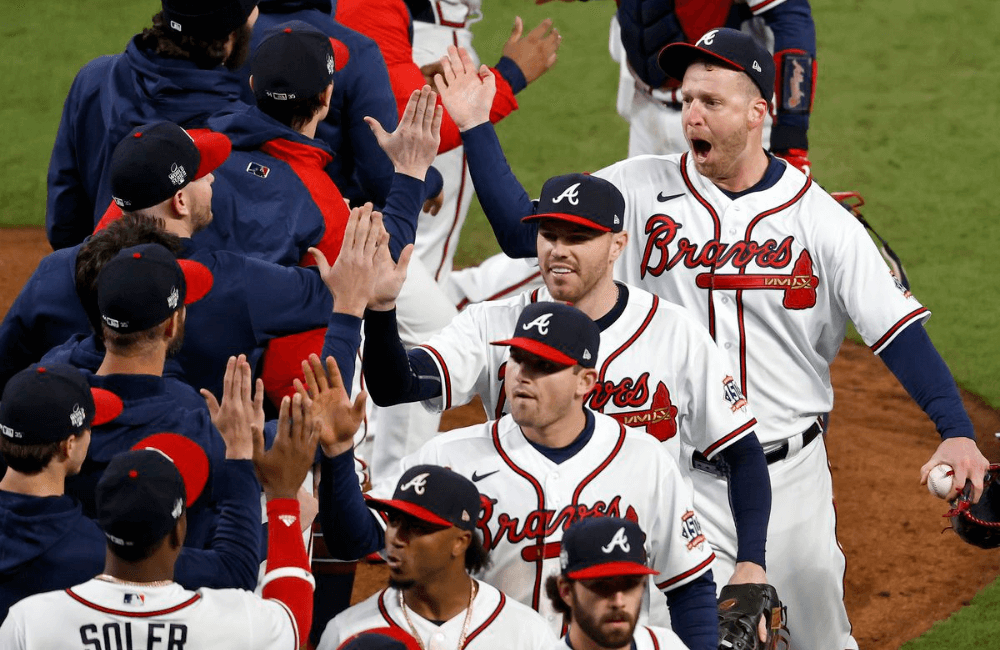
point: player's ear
(586, 380)
(460, 544)
(179, 533)
(756, 112)
(618, 242)
(565, 590)
(180, 203)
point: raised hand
(283, 468)
(351, 278)
(413, 146)
(240, 416)
(535, 53)
(467, 93)
(336, 418)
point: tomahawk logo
(571, 194)
(707, 38)
(541, 324)
(620, 540)
(177, 174)
(173, 298)
(77, 416)
(418, 483)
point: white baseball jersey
(528, 501)
(774, 275)
(497, 622)
(658, 369)
(644, 638)
(98, 615)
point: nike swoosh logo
(664, 199)
(478, 477)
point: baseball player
(774, 267)
(544, 465)
(599, 588)
(179, 69)
(136, 603)
(35, 410)
(431, 545)
(658, 368)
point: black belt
(719, 468)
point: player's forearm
(349, 527)
(512, 74)
(390, 376)
(234, 556)
(288, 579)
(342, 341)
(923, 373)
(749, 497)
(401, 211)
(795, 58)
(694, 613)
(503, 198)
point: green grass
(906, 113)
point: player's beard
(721, 163)
(592, 627)
(178, 341)
(241, 48)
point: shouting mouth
(700, 148)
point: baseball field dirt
(904, 570)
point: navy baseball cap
(49, 403)
(435, 495)
(143, 285)
(294, 61)
(206, 18)
(156, 160)
(144, 491)
(557, 332)
(381, 638)
(603, 547)
(729, 46)
(583, 199)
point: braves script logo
(620, 540)
(660, 419)
(418, 483)
(571, 194)
(796, 93)
(541, 524)
(691, 530)
(707, 38)
(541, 324)
(732, 394)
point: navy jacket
(361, 87)
(250, 303)
(47, 543)
(110, 96)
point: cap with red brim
(435, 495)
(213, 147)
(612, 570)
(187, 455)
(582, 199)
(538, 349)
(412, 509)
(571, 218)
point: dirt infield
(903, 572)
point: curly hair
(204, 53)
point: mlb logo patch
(136, 600)
(258, 170)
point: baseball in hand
(939, 481)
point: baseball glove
(740, 610)
(979, 523)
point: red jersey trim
(717, 234)
(687, 574)
(627, 344)
(117, 612)
(721, 442)
(446, 393)
(384, 611)
(503, 292)
(291, 618)
(902, 323)
(652, 637)
(760, 6)
(487, 622)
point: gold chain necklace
(465, 626)
(118, 581)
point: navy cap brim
(612, 570)
(412, 509)
(675, 58)
(538, 348)
(572, 218)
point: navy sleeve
(749, 497)
(512, 73)
(923, 373)
(350, 529)
(503, 198)
(393, 375)
(234, 555)
(69, 208)
(372, 97)
(694, 614)
(342, 341)
(284, 300)
(794, 29)
(401, 210)
(433, 183)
